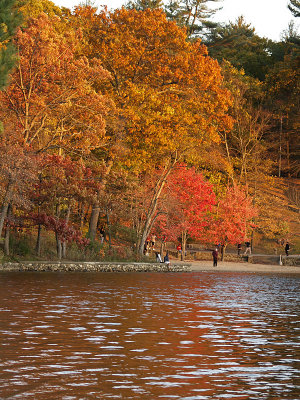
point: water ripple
(151, 336)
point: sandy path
(240, 267)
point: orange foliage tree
(169, 93)
(51, 96)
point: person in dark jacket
(239, 248)
(215, 257)
(166, 258)
(248, 248)
(287, 248)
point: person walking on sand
(215, 257)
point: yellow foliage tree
(169, 93)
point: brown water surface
(149, 336)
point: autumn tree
(52, 99)
(233, 217)
(34, 8)
(282, 98)
(51, 95)
(63, 184)
(246, 144)
(169, 92)
(64, 232)
(188, 201)
(18, 172)
(118, 211)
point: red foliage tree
(18, 172)
(232, 217)
(187, 206)
(64, 232)
(63, 184)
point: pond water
(204, 335)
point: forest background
(146, 120)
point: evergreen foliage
(141, 5)
(9, 20)
(241, 46)
(192, 14)
(294, 7)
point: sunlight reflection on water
(150, 336)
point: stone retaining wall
(93, 267)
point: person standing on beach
(166, 258)
(239, 247)
(248, 248)
(158, 257)
(179, 249)
(215, 257)
(102, 234)
(287, 248)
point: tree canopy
(144, 120)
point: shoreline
(175, 266)
(86, 266)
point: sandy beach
(226, 266)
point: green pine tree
(294, 7)
(9, 20)
(193, 14)
(241, 46)
(142, 5)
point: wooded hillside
(146, 120)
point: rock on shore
(94, 267)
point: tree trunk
(82, 215)
(58, 241)
(94, 221)
(152, 208)
(288, 154)
(280, 148)
(6, 241)
(64, 244)
(3, 216)
(109, 229)
(183, 244)
(5, 206)
(7, 232)
(58, 247)
(38, 241)
(96, 206)
(162, 245)
(223, 250)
